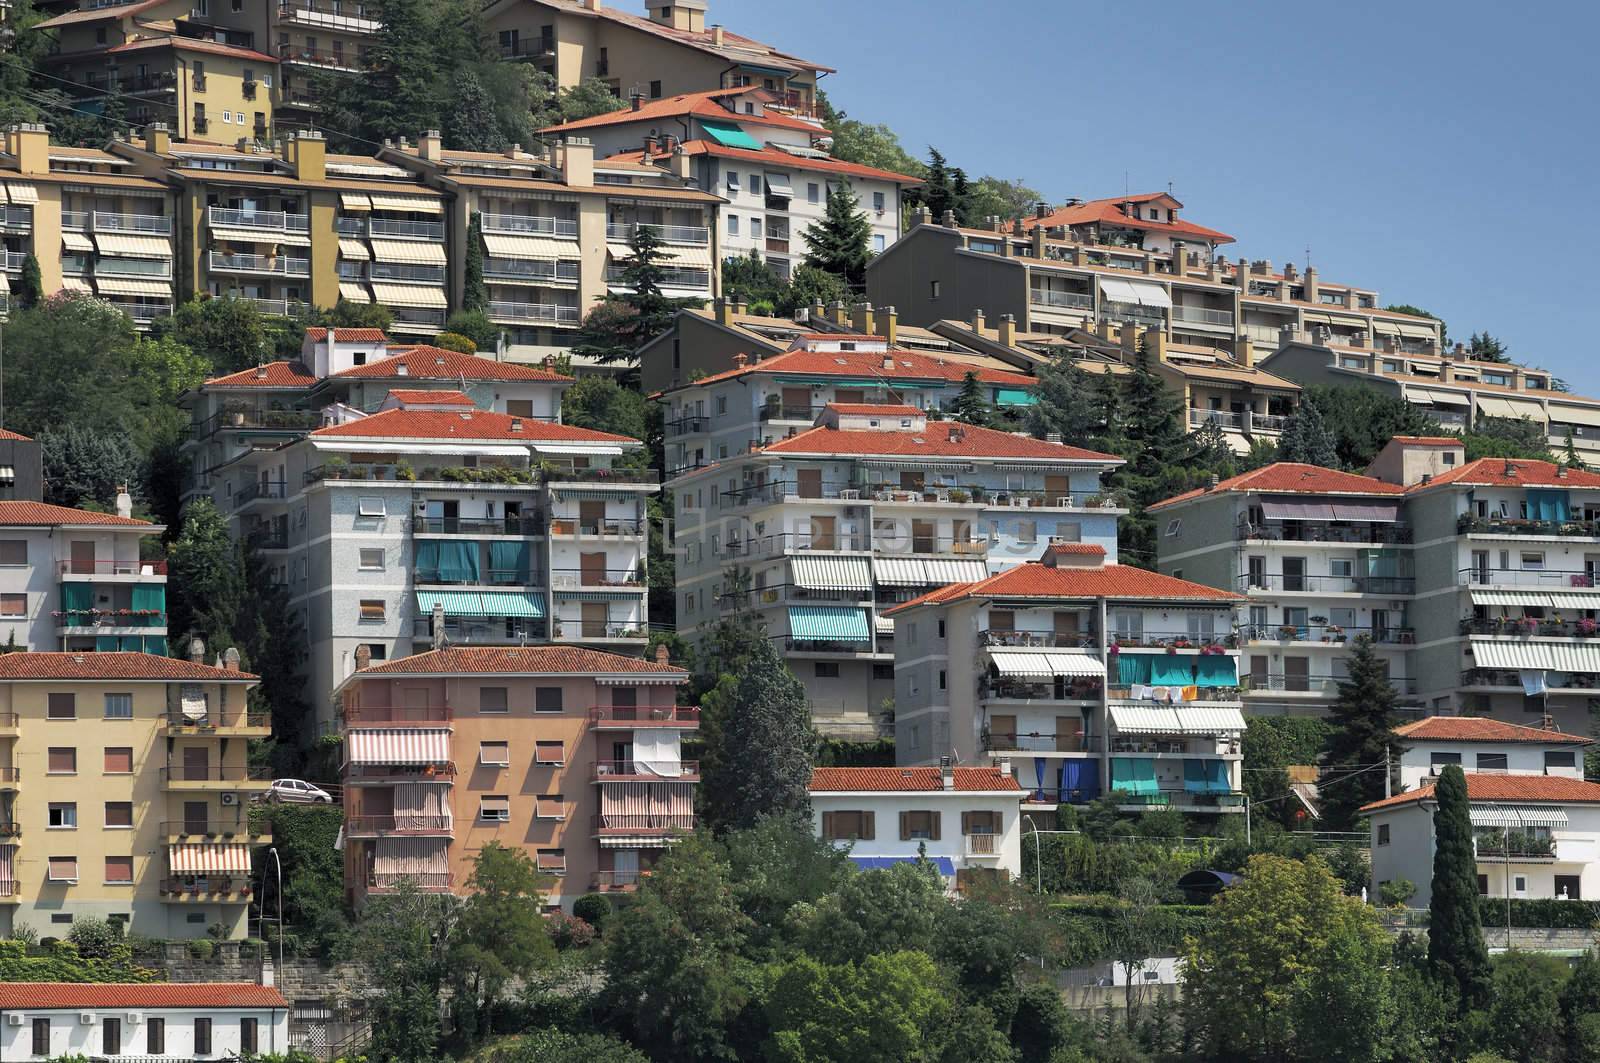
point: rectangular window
(61, 760)
(13, 605)
(813, 192)
(1492, 762)
(494, 809)
(551, 861)
(547, 699)
(202, 1037)
(62, 707)
(497, 754)
(119, 870)
(549, 806)
(119, 814)
(755, 185)
(41, 1037)
(119, 760)
(733, 180)
(155, 1037)
(549, 753)
(491, 699)
(733, 223)
(370, 506)
(1560, 760)
(827, 670)
(62, 816)
(119, 706)
(933, 289)
(980, 822)
(1439, 760)
(1383, 834)
(1533, 561)
(13, 551)
(920, 825)
(941, 679)
(63, 869)
(372, 608)
(247, 1036)
(847, 826)
(879, 243)
(372, 559)
(1027, 531)
(877, 202)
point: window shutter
(867, 831)
(828, 833)
(966, 823)
(935, 820)
(905, 826)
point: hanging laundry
(1533, 681)
(1191, 693)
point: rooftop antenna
(1308, 256)
(1169, 187)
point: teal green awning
(822, 623)
(456, 603)
(1014, 397)
(729, 134)
(513, 603)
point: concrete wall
(948, 805)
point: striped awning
(408, 252)
(134, 286)
(831, 573)
(133, 245)
(1552, 655)
(927, 572)
(1539, 598)
(675, 257)
(1515, 816)
(400, 745)
(22, 194)
(76, 284)
(412, 295)
(502, 245)
(354, 201)
(1020, 663)
(419, 204)
(354, 291)
(898, 571)
(824, 623)
(1176, 719)
(194, 858)
(76, 241)
(354, 250)
(456, 603)
(8, 863)
(513, 603)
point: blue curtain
(105, 643)
(1133, 668)
(1217, 671)
(447, 562)
(1038, 773)
(1195, 779)
(1134, 775)
(1080, 781)
(1172, 670)
(1217, 777)
(1547, 505)
(509, 561)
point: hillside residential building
(144, 817)
(1322, 556)
(1487, 746)
(555, 231)
(966, 822)
(21, 468)
(1448, 386)
(72, 579)
(415, 514)
(154, 1020)
(571, 754)
(1082, 677)
(667, 50)
(769, 165)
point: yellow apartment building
(308, 37)
(125, 792)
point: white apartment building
(1536, 822)
(156, 1020)
(966, 822)
(72, 579)
(770, 165)
(1082, 678)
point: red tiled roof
(774, 157)
(193, 44)
(6, 433)
(435, 363)
(68, 995)
(1483, 729)
(908, 365)
(1034, 580)
(920, 780)
(437, 398)
(43, 513)
(1106, 212)
(464, 424)
(867, 409)
(735, 48)
(1523, 472)
(1094, 549)
(93, 665)
(95, 14)
(699, 104)
(271, 375)
(1292, 478)
(348, 335)
(940, 438)
(1553, 788)
(1427, 441)
(538, 660)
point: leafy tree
(841, 242)
(30, 285)
(1363, 719)
(1041, 1024)
(1569, 454)
(587, 99)
(970, 406)
(499, 937)
(1363, 421)
(1065, 405)
(558, 1046)
(271, 641)
(602, 404)
(879, 910)
(225, 330)
(471, 124)
(867, 144)
(1525, 1011)
(475, 326)
(347, 314)
(313, 875)
(1580, 1010)
(83, 466)
(1456, 949)
(764, 764)
(1009, 200)
(1306, 439)
(1482, 347)
(776, 865)
(809, 285)
(454, 341)
(890, 1006)
(960, 194)
(1506, 437)
(474, 293)
(95, 939)
(64, 365)
(1270, 745)
(1417, 311)
(404, 938)
(748, 278)
(207, 587)
(619, 325)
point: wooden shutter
(935, 822)
(905, 826)
(868, 828)
(828, 831)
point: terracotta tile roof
(193, 44)
(908, 365)
(435, 398)
(96, 14)
(464, 424)
(6, 433)
(271, 375)
(1427, 441)
(1523, 472)
(699, 104)
(92, 665)
(42, 513)
(774, 157)
(1292, 478)
(424, 362)
(1034, 580)
(1483, 729)
(939, 439)
(1105, 211)
(1542, 788)
(68, 995)
(348, 335)
(867, 409)
(918, 780)
(1092, 549)
(734, 47)
(537, 660)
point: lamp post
(278, 863)
(1038, 856)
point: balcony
(336, 60)
(1380, 585)
(264, 220)
(685, 426)
(691, 235)
(670, 278)
(627, 718)
(391, 271)
(1319, 685)
(539, 49)
(140, 84)
(533, 314)
(574, 527)
(1202, 315)
(662, 823)
(425, 882)
(91, 570)
(476, 526)
(1040, 742)
(1481, 576)
(617, 881)
(217, 830)
(1528, 627)
(272, 265)
(95, 621)
(1519, 846)
(1467, 524)
(406, 229)
(186, 777)
(10, 725)
(441, 772)
(559, 477)
(1498, 679)
(570, 630)
(530, 223)
(411, 319)
(361, 826)
(484, 631)
(1059, 300)
(461, 475)
(534, 270)
(574, 579)
(327, 16)
(277, 307)
(1117, 313)
(1329, 633)
(10, 778)
(631, 771)
(981, 846)
(386, 715)
(265, 490)
(219, 723)
(103, 222)
(1312, 532)
(16, 218)
(1087, 639)
(249, 420)
(206, 889)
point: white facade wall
(70, 1036)
(1522, 758)
(887, 807)
(40, 579)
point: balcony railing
(210, 721)
(1040, 742)
(429, 882)
(529, 48)
(1201, 315)
(981, 844)
(112, 568)
(1313, 532)
(411, 318)
(245, 827)
(695, 235)
(390, 271)
(1327, 685)
(485, 631)
(10, 776)
(1329, 584)
(16, 218)
(623, 717)
(1585, 529)
(670, 278)
(378, 715)
(1528, 627)
(535, 269)
(566, 527)
(1332, 633)
(617, 770)
(1120, 312)
(600, 474)
(205, 885)
(1060, 300)
(284, 266)
(268, 489)
(1220, 418)
(1497, 677)
(574, 578)
(326, 16)
(477, 526)
(616, 881)
(530, 223)
(660, 822)
(130, 223)
(246, 420)
(1058, 639)
(406, 228)
(225, 774)
(272, 220)
(403, 823)
(288, 53)
(567, 630)
(1479, 576)
(533, 313)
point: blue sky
(1440, 153)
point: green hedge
(1558, 915)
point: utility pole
(1388, 786)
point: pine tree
(618, 326)
(1482, 347)
(474, 294)
(1307, 439)
(762, 766)
(207, 589)
(1456, 948)
(1569, 454)
(30, 286)
(937, 194)
(1363, 717)
(960, 196)
(841, 243)
(1065, 404)
(1107, 402)
(472, 124)
(970, 406)
(1153, 424)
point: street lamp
(279, 864)
(1038, 856)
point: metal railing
(1040, 742)
(226, 773)
(276, 307)
(1467, 523)
(1327, 685)
(13, 260)
(1201, 315)
(1074, 640)
(1063, 300)
(392, 271)
(485, 631)
(434, 882)
(231, 262)
(616, 881)
(536, 313)
(696, 235)
(208, 828)
(567, 630)
(530, 223)
(288, 53)
(1329, 584)
(1326, 633)
(659, 821)
(210, 721)
(1500, 677)
(16, 218)
(566, 527)
(359, 715)
(1479, 576)
(535, 269)
(325, 16)
(574, 578)
(10, 776)
(1220, 418)
(488, 577)
(265, 489)
(1527, 627)
(670, 278)
(478, 526)
(627, 716)
(686, 426)
(1310, 532)
(206, 884)
(131, 223)
(157, 268)
(422, 320)
(406, 228)
(286, 420)
(619, 770)
(398, 823)
(112, 568)
(600, 474)
(274, 220)
(1120, 312)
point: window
(119, 706)
(847, 826)
(813, 193)
(755, 185)
(155, 1036)
(1449, 457)
(119, 760)
(62, 707)
(878, 243)
(62, 816)
(1532, 561)
(1027, 531)
(722, 404)
(370, 506)
(13, 605)
(372, 559)
(495, 809)
(919, 825)
(1174, 527)
(733, 180)
(202, 1037)
(549, 806)
(63, 869)
(1343, 567)
(119, 814)
(549, 753)
(491, 699)
(59, 918)
(933, 289)
(827, 670)
(497, 754)
(941, 679)
(1553, 759)
(941, 629)
(119, 870)
(41, 1037)
(13, 551)
(1519, 884)
(1439, 760)
(1492, 762)
(372, 609)
(247, 1036)
(1383, 834)
(61, 760)
(551, 861)
(985, 822)
(733, 223)
(547, 699)
(655, 90)
(877, 202)
(883, 671)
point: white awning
(674, 256)
(76, 241)
(1587, 599)
(1151, 294)
(1022, 663)
(131, 245)
(419, 204)
(1211, 719)
(76, 284)
(1495, 406)
(336, 445)
(134, 286)
(354, 291)
(1118, 291)
(831, 573)
(200, 859)
(354, 250)
(1437, 398)
(354, 201)
(411, 295)
(501, 245)
(410, 252)
(778, 185)
(940, 571)
(21, 194)
(400, 745)
(1516, 816)
(244, 236)
(1416, 332)
(1535, 655)
(1176, 719)
(1538, 598)
(898, 572)
(1386, 327)
(1575, 415)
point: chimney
(436, 626)
(836, 312)
(1008, 330)
(577, 162)
(723, 309)
(889, 324)
(363, 656)
(947, 775)
(740, 359)
(1041, 210)
(1052, 437)
(716, 35)
(817, 311)
(1289, 272)
(1561, 472)
(1313, 294)
(430, 145)
(977, 320)
(157, 138)
(1447, 373)
(1038, 241)
(197, 650)
(863, 320)
(662, 655)
(230, 659)
(888, 363)
(591, 5)
(307, 156)
(1242, 275)
(636, 98)
(1130, 336)
(1155, 342)
(948, 219)
(921, 216)
(124, 501)
(1178, 263)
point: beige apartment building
(307, 38)
(125, 787)
(573, 755)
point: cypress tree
(474, 294)
(762, 763)
(1065, 404)
(30, 286)
(1363, 718)
(841, 243)
(1456, 949)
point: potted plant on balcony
(958, 495)
(1587, 627)
(1288, 631)
(1527, 625)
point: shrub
(95, 939)
(1561, 915)
(569, 932)
(202, 948)
(593, 909)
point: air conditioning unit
(133, 1018)
(229, 799)
(420, 508)
(85, 1018)
(14, 1019)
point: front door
(195, 815)
(1066, 629)
(1297, 673)
(1069, 734)
(196, 763)
(83, 557)
(1294, 573)
(1056, 487)
(1002, 732)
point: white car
(297, 791)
